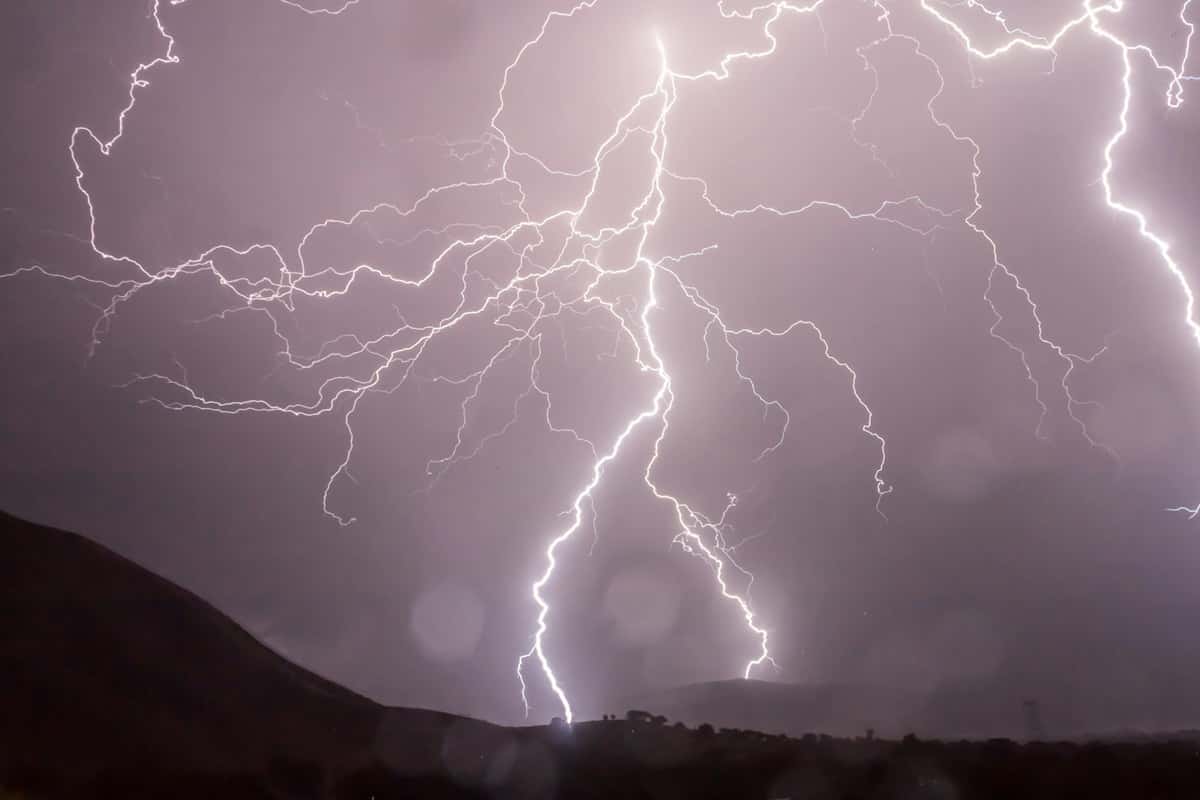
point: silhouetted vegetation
(119, 685)
(640, 759)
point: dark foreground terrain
(117, 684)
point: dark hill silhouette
(144, 669)
(971, 709)
(115, 683)
(102, 663)
(794, 709)
(952, 711)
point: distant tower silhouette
(1033, 722)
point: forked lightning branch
(523, 305)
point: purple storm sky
(358, 438)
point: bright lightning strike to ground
(561, 271)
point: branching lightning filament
(553, 280)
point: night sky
(187, 406)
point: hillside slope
(117, 685)
(103, 662)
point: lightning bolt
(1090, 18)
(549, 282)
